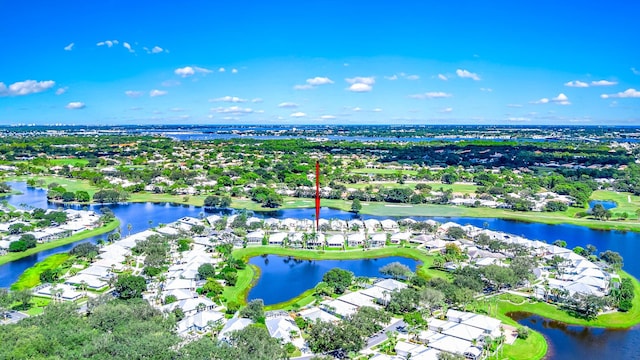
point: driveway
(382, 335)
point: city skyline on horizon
(319, 63)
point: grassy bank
(112, 225)
(401, 210)
(297, 302)
(247, 277)
(30, 278)
(615, 320)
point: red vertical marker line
(317, 196)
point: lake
(283, 278)
(145, 215)
(606, 204)
(579, 342)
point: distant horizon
(329, 62)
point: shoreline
(110, 226)
(388, 209)
(535, 345)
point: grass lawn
(621, 199)
(297, 302)
(248, 276)
(69, 184)
(31, 277)
(37, 305)
(167, 198)
(74, 162)
(239, 292)
(615, 320)
(534, 348)
(384, 171)
(112, 225)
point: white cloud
(467, 74)
(26, 87)
(360, 87)
(75, 105)
(156, 92)
(108, 43)
(446, 110)
(231, 99)
(319, 80)
(577, 83)
(486, 89)
(288, 105)
(392, 77)
(431, 95)
(327, 117)
(298, 114)
(629, 93)
(133, 93)
(222, 69)
(442, 77)
(189, 71)
(156, 50)
(514, 105)
(357, 108)
(561, 99)
(127, 46)
(377, 110)
(237, 110)
(518, 119)
(635, 71)
(541, 101)
(311, 83)
(604, 83)
(257, 100)
(61, 91)
(234, 71)
(413, 77)
(367, 80)
(69, 47)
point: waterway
(283, 278)
(566, 346)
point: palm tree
(83, 286)
(129, 227)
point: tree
(356, 206)
(23, 297)
(396, 270)
(560, 243)
(612, 258)
(49, 276)
(6, 299)
(523, 332)
(254, 311)
(83, 250)
(212, 288)
(403, 301)
(430, 298)
(449, 356)
(206, 271)
(68, 196)
(82, 196)
(130, 286)
(17, 246)
(456, 232)
(339, 279)
(254, 342)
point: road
(382, 335)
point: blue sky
(312, 62)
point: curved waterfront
(283, 278)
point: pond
(606, 204)
(283, 278)
(568, 342)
